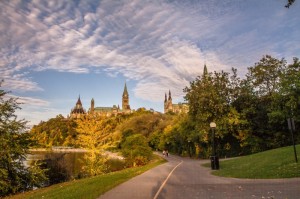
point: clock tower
(125, 100)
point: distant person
(167, 153)
(164, 152)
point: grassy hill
(277, 163)
(88, 187)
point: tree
(136, 150)
(265, 75)
(290, 87)
(289, 3)
(94, 134)
(14, 143)
(57, 131)
(211, 98)
(290, 92)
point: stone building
(174, 108)
(78, 110)
(114, 110)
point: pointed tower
(92, 106)
(165, 103)
(168, 106)
(205, 71)
(125, 100)
(170, 97)
(78, 103)
(170, 103)
(78, 110)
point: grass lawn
(277, 163)
(89, 187)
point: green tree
(210, 98)
(290, 93)
(265, 75)
(136, 150)
(290, 87)
(289, 3)
(14, 143)
(266, 118)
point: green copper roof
(103, 109)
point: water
(65, 166)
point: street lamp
(214, 158)
(291, 125)
(189, 148)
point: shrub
(136, 150)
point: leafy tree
(290, 87)
(290, 92)
(289, 3)
(210, 98)
(57, 131)
(144, 123)
(136, 150)
(265, 75)
(14, 143)
(267, 118)
(94, 134)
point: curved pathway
(186, 178)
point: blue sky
(53, 51)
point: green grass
(277, 163)
(89, 187)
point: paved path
(186, 178)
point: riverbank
(74, 150)
(89, 187)
(58, 149)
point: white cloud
(161, 44)
(30, 101)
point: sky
(52, 52)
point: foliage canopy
(14, 143)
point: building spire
(125, 100)
(170, 98)
(165, 97)
(205, 72)
(125, 92)
(79, 101)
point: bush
(136, 150)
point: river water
(66, 165)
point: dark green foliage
(143, 123)
(289, 3)
(14, 143)
(250, 113)
(136, 150)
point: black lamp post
(214, 159)
(291, 125)
(189, 148)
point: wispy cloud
(161, 44)
(30, 101)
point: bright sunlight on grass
(89, 187)
(277, 163)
